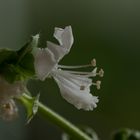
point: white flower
(47, 58)
(74, 85)
(75, 89)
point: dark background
(106, 30)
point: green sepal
(18, 65)
(9, 73)
(28, 47)
(27, 64)
(17, 72)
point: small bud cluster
(8, 108)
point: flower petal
(47, 58)
(58, 51)
(64, 36)
(44, 62)
(70, 91)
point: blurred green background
(106, 30)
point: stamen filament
(74, 67)
(65, 74)
(78, 72)
(97, 84)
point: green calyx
(18, 65)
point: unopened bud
(8, 111)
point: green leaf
(25, 48)
(9, 73)
(18, 65)
(27, 64)
(89, 131)
(7, 55)
(28, 47)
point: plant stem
(58, 120)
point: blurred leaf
(65, 136)
(89, 131)
(18, 72)
(27, 64)
(9, 73)
(126, 134)
(27, 47)
(18, 65)
(7, 55)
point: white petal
(44, 62)
(71, 92)
(78, 80)
(58, 51)
(64, 36)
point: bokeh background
(106, 30)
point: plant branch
(58, 120)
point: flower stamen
(93, 62)
(101, 73)
(97, 84)
(74, 67)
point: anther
(101, 73)
(93, 62)
(98, 84)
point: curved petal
(47, 58)
(44, 62)
(64, 36)
(58, 51)
(71, 91)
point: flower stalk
(55, 118)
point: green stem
(50, 115)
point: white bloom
(74, 86)
(47, 58)
(75, 89)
